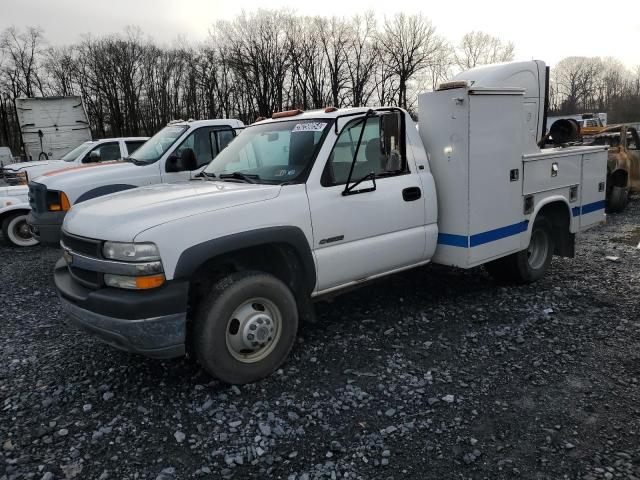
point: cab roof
(318, 114)
(208, 123)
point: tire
(241, 310)
(618, 199)
(15, 231)
(529, 264)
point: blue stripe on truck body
(504, 232)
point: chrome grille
(86, 246)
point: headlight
(23, 177)
(131, 252)
(57, 201)
(133, 283)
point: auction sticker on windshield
(309, 127)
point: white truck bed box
(485, 163)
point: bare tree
(408, 45)
(479, 48)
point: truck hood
(123, 215)
(15, 191)
(16, 167)
(57, 179)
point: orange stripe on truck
(62, 170)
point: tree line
(253, 65)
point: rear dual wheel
(246, 327)
(530, 264)
(617, 199)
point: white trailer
(51, 126)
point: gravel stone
(537, 394)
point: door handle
(412, 193)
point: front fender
(16, 205)
(192, 258)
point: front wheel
(530, 264)
(246, 327)
(15, 231)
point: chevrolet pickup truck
(14, 201)
(176, 153)
(106, 149)
(309, 204)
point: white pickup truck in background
(176, 153)
(308, 204)
(14, 201)
(104, 150)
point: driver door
(360, 235)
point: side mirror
(171, 166)
(394, 162)
(94, 157)
(390, 131)
(188, 160)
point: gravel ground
(434, 373)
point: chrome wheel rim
(538, 249)
(19, 233)
(253, 330)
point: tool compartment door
(542, 174)
(592, 195)
(497, 136)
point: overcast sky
(549, 31)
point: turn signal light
(55, 207)
(64, 202)
(150, 281)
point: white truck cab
(307, 204)
(106, 149)
(14, 201)
(176, 153)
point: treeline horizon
(274, 60)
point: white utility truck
(51, 126)
(14, 201)
(107, 149)
(307, 204)
(176, 153)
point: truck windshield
(277, 152)
(75, 153)
(156, 146)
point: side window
(106, 152)
(200, 142)
(220, 139)
(373, 155)
(133, 145)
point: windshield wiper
(134, 161)
(205, 175)
(246, 177)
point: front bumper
(46, 227)
(150, 323)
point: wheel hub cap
(258, 330)
(253, 330)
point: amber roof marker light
(286, 113)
